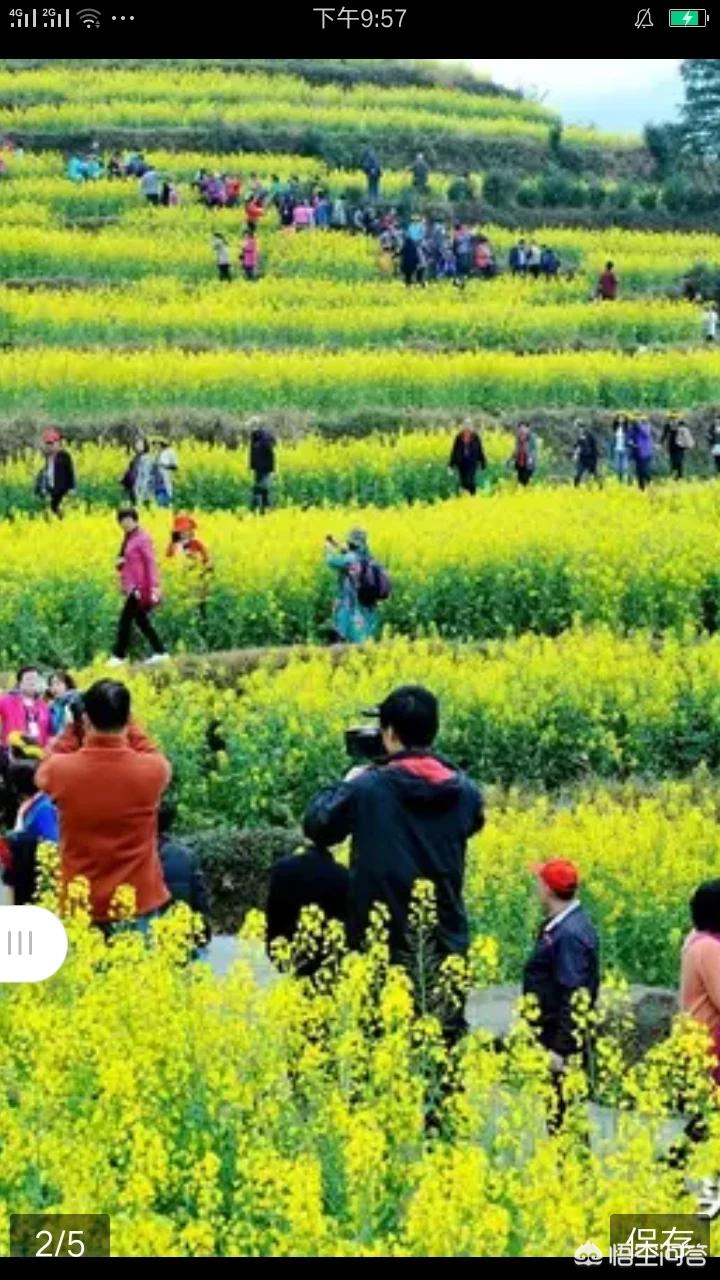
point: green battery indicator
(688, 17)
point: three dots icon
(122, 16)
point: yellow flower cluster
(160, 311)
(213, 1117)
(68, 382)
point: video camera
(365, 741)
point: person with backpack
(466, 456)
(362, 584)
(677, 438)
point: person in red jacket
(107, 778)
(140, 585)
(608, 284)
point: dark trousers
(133, 612)
(224, 271)
(153, 200)
(586, 469)
(373, 187)
(56, 501)
(524, 474)
(260, 500)
(716, 460)
(677, 463)
(249, 273)
(466, 479)
(642, 471)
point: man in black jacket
(564, 960)
(586, 455)
(262, 464)
(466, 456)
(57, 479)
(409, 818)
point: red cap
(184, 524)
(51, 437)
(558, 874)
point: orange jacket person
(182, 539)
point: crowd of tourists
(69, 761)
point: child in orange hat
(184, 542)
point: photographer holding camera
(409, 814)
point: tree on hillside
(701, 110)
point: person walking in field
(607, 289)
(524, 455)
(714, 444)
(619, 447)
(420, 173)
(249, 256)
(262, 465)
(57, 478)
(710, 322)
(467, 456)
(138, 479)
(221, 249)
(642, 446)
(678, 438)
(151, 186)
(354, 616)
(585, 455)
(373, 172)
(140, 587)
(166, 468)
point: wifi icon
(89, 17)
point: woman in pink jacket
(140, 585)
(24, 710)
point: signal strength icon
(89, 17)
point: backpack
(372, 584)
(685, 438)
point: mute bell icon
(644, 18)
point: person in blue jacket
(37, 816)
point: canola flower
(180, 86)
(499, 565)
(587, 706)
(211, 1117)
(67, 382)
(156, 313)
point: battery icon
(688, 18)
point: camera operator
(409, 816)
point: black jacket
(311, 878)
(262, 453)
(63, 476)
(564, 959)
(185, 880)
(587, 450)
(409, 820)
(470, 456)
